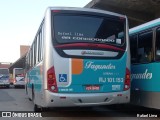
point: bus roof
(87, 10)
(145, 26)
(17, 68)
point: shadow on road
(101, 111)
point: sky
(20, 20)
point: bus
(79, 57)
(18, 77)
(145, 60)
(4, 77)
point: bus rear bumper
(87, 99)
(5, 84)
(19, 84)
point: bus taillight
(14, 81)
(51, 80)
(127, 80)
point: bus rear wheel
(37, 108)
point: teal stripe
(144, 28)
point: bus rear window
(89, 29)
(4, 71)
(19, 71)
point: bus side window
(145, 47)
(133, 46)
(158, 44)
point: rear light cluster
(14, 81)
(51, 80)
(127, 80)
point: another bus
(4, 77)
(145, 58)
(18, 77)
(79, 57)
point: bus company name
(145, 75)
(95, 67)
(92, 53)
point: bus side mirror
(158, 52)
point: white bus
(4, 77)
(79, 57)
(18, 77)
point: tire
(7, 86)
(37, 109)
(30, 99)
(32, 93)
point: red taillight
(14, 81)
(51, 80)
(127, 80)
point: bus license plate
(92, 87)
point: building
(5, 65)
(20, 63)
(23, 50)
(137, 11)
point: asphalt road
(15, 100)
